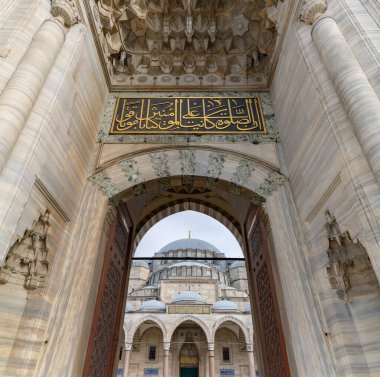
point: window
(152, 353)
(226, 354)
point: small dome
(247, 308)
(188, 296)
(139, 263)
(189, 243)
(129, 308)
(149, 287)
(153, 305)
(224, 305)
(237, 263)
(227, 288)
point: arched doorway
(237, 211)
(188, 355)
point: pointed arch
(191, 318)
(131, 330)
(230, 318)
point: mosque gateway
(264, 115)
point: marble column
(165, 372)
(21, 92)
(127, 357)
(211, 360)
(358, 97)
(251, 361)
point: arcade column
(22, 90)
(211, 359)
(165, 372)
(251, 360)
(128, 347)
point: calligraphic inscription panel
(188, 115)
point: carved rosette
(312, 10)
(65, 12)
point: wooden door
(109, 303)
(266, 309)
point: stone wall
(46, 169)
(328, 170)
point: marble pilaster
(211, 359)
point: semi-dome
(188, 296)
(139, 263)
(237, 263)
(189, 243)
(224, 305)
(153, 305)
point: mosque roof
(152, 305)
(139, 263)
(188, 296)
(189, 243)
(223, 305)
(237, 263)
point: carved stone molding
(271, 183)
(27, 260)
(349, 265)
(312, 10)
(65, 11)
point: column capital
(211, 346)
(166, 346)
(249, 347)
(128, 346)
(312, 9)
(65, 12)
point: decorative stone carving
(187, 160)
(27, 262)
(104, 184)
(160, 164)
(349, 265)
(243, 172)
(312, 10)
(65, 11)
(216, 36)
(270, 184)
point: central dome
(189, 243)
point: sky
(177, 226)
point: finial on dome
(189, 233)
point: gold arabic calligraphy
(188, 115)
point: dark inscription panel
(188, 115)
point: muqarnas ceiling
(199, 43)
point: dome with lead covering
(224, 305)
(188, 296)
(153, 305)
(189, 263)
(189, 243)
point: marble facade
(321, 87)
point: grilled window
(226, 354)
(152, 353)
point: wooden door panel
(109, 303)
(266, 309)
